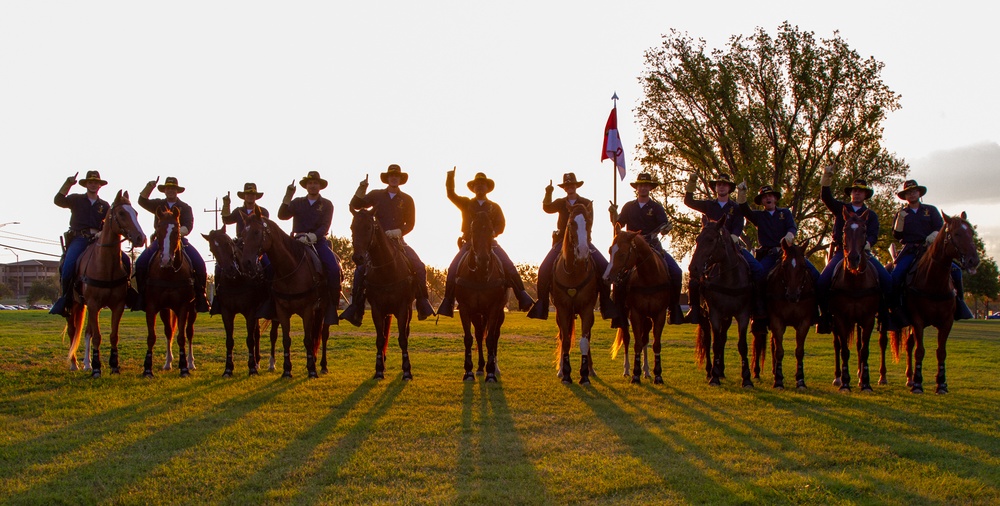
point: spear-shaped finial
(615, 98)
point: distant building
(21, 275)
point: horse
(238, 293)
(102, 282)
(574, 277)
(930, 297)
(726, 295)
(854, 302)
(791, 294)
(298, 287)
(390, 286)
(643, 274)
(481, 293)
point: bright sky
(221, 93)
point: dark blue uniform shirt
(239, 216)
(645, 219)
(151, 205)
(771, 227)
(561, 207)
(836, 207)
(392, 212)
(711, 210)
(83, 214)
(309, 218)
(918, 225)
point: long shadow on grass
(135, 461)
(301, 449)
(493, 467)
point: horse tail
(760, 346)
(700, 346)
(558, 350)
(896, 341)
(74, 340)
(619, 341)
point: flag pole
(614, 166)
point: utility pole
(216, 211)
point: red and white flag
(613, 143)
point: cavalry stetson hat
(764, 190)
(394, 170)
(92, 175)
(910, 184)
(723, 178)
(249, 189)
(569, 179)
(313, 176)
(860, 184)
(645, 178)
(481, 177)
(170, 182)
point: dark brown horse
(854, 302)
(791, 302)
(726, 295)
(102, 281)
(389, 286)
(575, 280)
(170, 293)
(238, 293)
(298, 287)
(930, 298)
(646, 281)
(481, 292)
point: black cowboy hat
(92, 175)
(569, 179)
(645, 178)
(249, 189)
(394, 170)
(481, 177)
(860, 184)
(170, 182)
(313, 176)
(910, 184)
(764, 190)
(723, 178)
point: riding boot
(447, 307)
(267, 309)
(60, 306)
(618, 300)
(201, 301)
(694, 301)
(524, 301)
(355, 313)
(540, 309)
(331, 317)
(609, 310)
(215, 310)
(140, 287)
(424, 309)
(962, 311)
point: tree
(985, 283)
(769, 111)
(344, 249)
(46, 289)
(6, 291)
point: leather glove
(900, 221)
(827, 178)
(70, 181)
(148, 189)
(930, 237)
(226, 202)
(288, 193)
(394, 233)
(184, 231)
(549, 189)
(449, 182)
(868, 247)
(362, 189)
(691, 184)
(613, 211)
(306, 238)
(789, 239)
(736, 240)
(741, 193)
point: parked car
(994, 316)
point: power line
(29, 251)
(40, 241)
(29, 237)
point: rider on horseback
(647, 216)
(238, 218)
(171, 189)
(480, 185)
(858, 192)
(396, 214)
(87, 212)
(561, 206)
(917, 225)
(714, 210)
(312, 216)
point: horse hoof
(636, 380)
(227, 374)
(626, 375)
(882, 381)
(491, 378)
(909, 383)
(714, 382)
(942, 389)
(567, 381)
(286, 374)
(480, 372)
(837, 382)
(658, 380)
(747, 384)
(866, 387)
(584, 381)
(778, 385)
(270, 369)
(845, 389)
(116, 370)
(407, 376)
(378, 375)
(917, 389)
(185, 373)
(324, 370)
(95, 374)
(253, 372)
(800, 384)
(147, 374)
(469, 377)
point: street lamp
(17, 259)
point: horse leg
(147, 364)
(168, 331)
(192, 316)
(403, 327)
(87, 342)
(910, 342)
(759, 347)
(116, 319)
(286, 344)
(942, 384)
(253, 344)
(777, 351)
(883, 342)
(658, 324)
(94, 330)
(638, 346)
(480, 329)
(586, 324)
(743, 346)
(228, 320)
(718, 349)
(836, 357)
(492, 327)
(800, 351)
(918, 366)
(182, 342)
(310, 339)
(274, 340)
(565, 322)
(467, 329)
(381, 323)
(324, 338)
(864, 342)
(845, 359)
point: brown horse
(238, 293)
(726, 295)
(170, 293)
(646, 281)
(791, 295)
(299, 287)
(575, 279)
(930, 297)
(102, 282)
(481, 292)
(389, 284)
(854, 302)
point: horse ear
(964, 216)
(124, 194)
(864, 215)
(256, 212)
(119, 196)
(722, 221)
(845, 212)
(207, 238)
(945, 216)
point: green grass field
(344, 438)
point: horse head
(256, 239)
(622, 253)
(958, 235)
(481, 239)
(712, 246)
(168, 233)
(855, 239)
(224, 250)
(575, 244)
(792, 273)
(364, 230)
(124, 221)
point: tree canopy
(768, 110)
